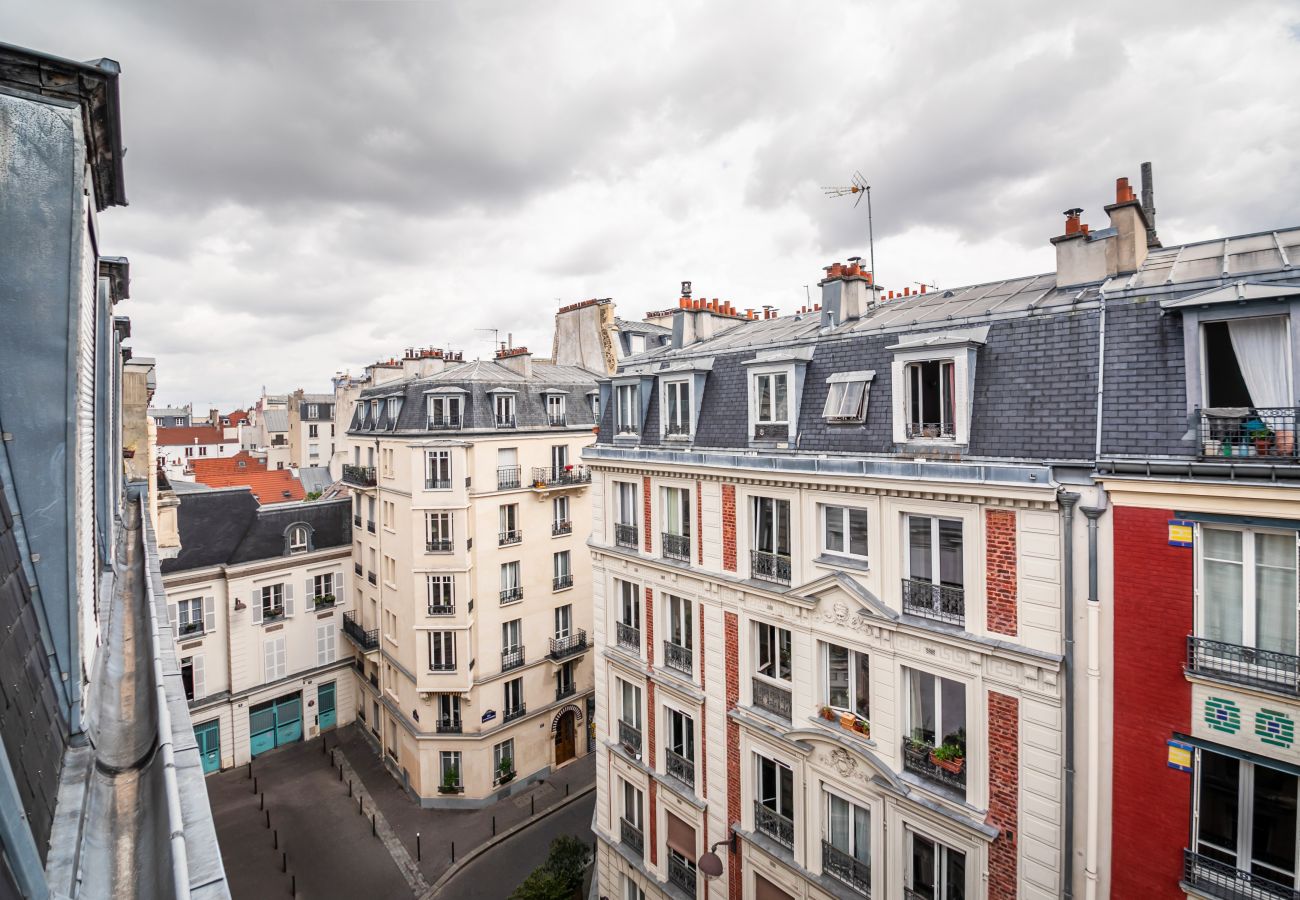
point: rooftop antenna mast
(496, 335)
(858, 185)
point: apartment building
(311, 429)
(177, 448)
(472, 609)
(256, 599)
(173, 416)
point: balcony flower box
(828, 714)
(324, 601)
(948, 757)
(846, 720)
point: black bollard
(340, 771)
(453, 851)
(261, 801)
(293, 885)
(373, 832)
(254, 785)
(417, 846)
(494, 826)
(566, 790)
(268, 818)
(275, 841)
(284, 862)
(532, 805)
(349, 787)
(250, 769)
(360, 810)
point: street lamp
(709, 864)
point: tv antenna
(858, 185)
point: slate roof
(475, 381)
(192, 435)
(228, 527)
(633, 326)
(275, 419)
(314, 478)
(1035, 387)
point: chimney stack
(1149, 205)
(699, 318)
(847, 293)
(1083, 257)
(517, 360)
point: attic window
(846, 399)
(1246, 363)
(241, 464)
(313, 411)
(930, 391)
(297, 537)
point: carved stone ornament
(840, 614)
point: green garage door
(325, 715)
(275, 723)
(208, 736)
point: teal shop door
(208, 736)
(275, 723)
(325, 715)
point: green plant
(948, 752)
(451, 778)
(506, 766)
(313, 495)
(325, 600)
(828, 713)
(560, 877)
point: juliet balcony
(941, 602)
(626, 536)
(359, 476)
(767, 566)
(1211, 878)
(676, 546)
(365, 639)
(571, 645)
(1248, 434)
(1265, 670)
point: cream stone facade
(473, 600)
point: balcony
(370, 525)
(272, 614)
(628, 636)
(1215, 879)
(507, 478)
(679, 767)
(772, 698)
(512, 658)
(561, 476)
(562, 582)
(941, 602)
(442, 609)
(356, 521)
(565, 690)
(438, 546)
(774, 825)
(511, 595)
(626, 536)
(356, 568)
(569, 645)
(1267, 670)
(514, 712)
(359, 476)
(678, 546)
(447, 422)
(769, 566)
(189, 629)
(372, 578)
(506, 421)
(442, 665)
(931, 431)
(366, 640)
(631, 837)
(848, 869)
(559, 529)
(678, 658)
(437, 484)
(630, 737)
(1249, 435)
(677, 430)
(506, 538)
(448, 724)
(681, 873)
(919, 759)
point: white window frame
(555, 409)
(503, 750)
(855, 702)
(629, 691)
(628, 498)
(1243, 852)
(680, 732)
(676, 411)
(442, 648)
(439, 526)
(779, 767)
(629, 600)
(563, 621)
(437, 470)
(910, 729)
(947, 424)
(449, 759)
(771, 411)
(313, 411)
(513, 690)
(194, 605)
(440, 591)
(942, 851)
(503, 407)
(443, 411)
(1249, 565)
(769, 635)
(679, 497)
(847, 395)
(846, 514)
(680, 619)
(512, 635)
(633, 801)
(829, 796)
(758, 510)
(322, 585)
(934, 576)
(627, 408)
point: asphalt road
(500, 870)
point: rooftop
(192, 434)
(245, 470)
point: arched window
(298, 539)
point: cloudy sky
(316, 185)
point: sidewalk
(439, 828)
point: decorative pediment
(849, 762)
(842, 601)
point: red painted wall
(1153, 616)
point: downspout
(1101, 370)
(1067, 500)
(1092, 833)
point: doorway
(566, 737)
(275, 723)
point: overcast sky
(314, 186)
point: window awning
(955, 338)
(681, 837)
(1239, 521)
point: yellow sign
(1180, 756)
(1180, 533)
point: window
(322, 585)
(848, 680)
(846, 854)
(189, 617)
(1248, 588)
(313, 412)
(594, 400)
(325, 643)
(560, 522)
(680, 758)
(313, 431)
(505, 410)
(559, 460)
(937, 872)
(677, 523)
(844, 531)
(441, 594)
(203, 451)
(627, 403)
(374, 414)
(394, 407)
(555, 409)
(390, 514)
(514, 695)
(1245, 819)
(630, 704)
(313, 450)
(438, 532)
(275, 660)
(772, 652)
(769, 400)
(442, 651)
(449, 767)
(192, 677)
(628, 626)
(272, 601)
(935, 714)
(774, 800)
(632, 805)
(449, 712)
(511, 588)
(437, 470)
(563, 574)
(770, 556)
(677, 408)
(564, 683)
(503, 758)
(508, 522)
(563, 621)
(930, 392)
(846, 396)
(679, 621)
(189, 451)
(443, 411)
(390, 569)
(1246, 363)
(933, 583)
(627, 502)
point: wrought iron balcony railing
(356, 567)
(625, 535)
(372, 578)
(437, 484)
(677, 429)
(631, 837)
(438, 546)
(1217, 879)
(676, 546)
(1268, 670)
(515, 712)
(562, 582)
(511, 595)
(556, 420)
(769, 566)
(356, 521)
(918, 758)
(359, 476)
(629, 736)
(773, 824)
(442, 665)
(679, 767)
(440, 608)
(931, 430)
(512, 658)
(769, 431)
(1249, 434)
(444, 422)
(449, 725)
(569, 645)
(366, 639)
(506, 421)
(507, 478)
(561, 528)
(772, 698)
(628, 636)
(681, 873)
(370, 525)
(941, 602)
(506, 538)
(846, 868)
(565, 690)
(561, 476)
(678, 657)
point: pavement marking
(396, 849)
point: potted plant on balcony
(828, 714)
(324, 600)
(450, 781)
(847, 719)
(1260, 436)
(862, 726)
(505, 770)
(949, 757)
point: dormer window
(775, 384)
(298, 539)
(505, 410)
(313, 411)
(443, 412)
(594, 399)
(771, 404)
(846, 398)
(394, 407)
(934, 384)
(627, 404)
(374, 413)
(930, 408)
(677, 409)
(555, 409)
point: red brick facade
(1000, 565)
(731, 633)
(654, 822)
(699, 520)
(729, 527)
(1153, 616)
(649, 623)
(647, 502)
(1004, 793)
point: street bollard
(254, 785)
(340, 771)
(250, 769)
(373, 832)
(261, 801)
(453, 851)
(417, 846)
(566, 790)
(532, 805)
(275, 841)
(359, 810)
(268, 818)
(494, 826)
(293, 885)
(349, 787)
(284, 862)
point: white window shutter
(196, 668)
(281, 658)
(256, 604)
(174, 616)
(268, 660)
(311, 589)
(336, 584)
(288, 598)
(209, 614)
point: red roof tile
(267, 486)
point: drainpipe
(1092, 832)
(1067, 500)
(1101, 370)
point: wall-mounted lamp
(709, 864)
(239, 605)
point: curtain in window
(920, 696)
(861, 834)
(1222, 592)
(918, 548)
(837, 678)
(1260, 346)
(839, 823)
(1275, 592)
(950, 568)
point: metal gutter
(1067, 500)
